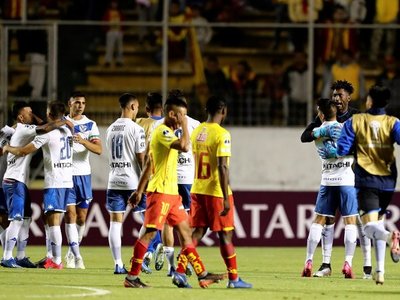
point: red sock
(136, 261)
(193, 257)
(229, 256)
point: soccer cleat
(347, 271)
(378, 277)
(134, 283)
(324, 270)
(180, 280)
(25, 263)
(50, 264)
(171, 271)
(70, 260)
(79, 263)
(146, 265)
(9, 263)
(40, 263)
(120, 270)
(394, 246)
(210, 278)
(159, 257)
(367, 270)
(307, 271)
(240, 284)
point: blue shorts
(81, 194)
(184, 192)
(331, 198)
(3, 203)
(117, 201)
(17, 200)
(55, 199)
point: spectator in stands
(114, 35)
(274, 91)
(296, 85)
(298, 13)
(386, 14)
(244, 84)
(390, 78)
(147, 10)
(203, 30)
(336, 39)
(346, 68)
(217, 82)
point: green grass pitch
(274, 272)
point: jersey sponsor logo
(227, 141)
(118, 128)
(184, 160)
(62, 165)
(329, 166)
(11, 161)
(165, 132)
(125, 164)
(83, 127)
(119, 182)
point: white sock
(327, 243)
(56, 243)
(375, 230)
(114, 240)
(3, 237)
(380, 250)
(81, 231)
(365, 244)
(23, 237)
(314, 236)
(12, 237)
(169, 254)
(72, 236)
(49, 252)
(350, 242)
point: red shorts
(161, 208)
(205, 210)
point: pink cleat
(307, 271)
(394, 246)
(347, 271)
(50, 264)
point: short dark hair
(214, 104)
(380, 95)
(175, 98)
(16, 109)
(327, 107)
(77, 94)
(57, 109)
(125, 98)
(153, 101)
(343, 84)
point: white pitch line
(94, 292)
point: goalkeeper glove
(327, 131)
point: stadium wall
(275, 179)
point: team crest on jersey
(202, 136)
(83, 127)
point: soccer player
(154, 112)
(57, 158)
(86, 139)
(341, 94)
(163, 201)
(336, 192)
(185, 175)
(371, 135)
(212, 200)
(5, 136)
(126, 150)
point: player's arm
(136, 196)
(93, 146)
(45, 128)
(37, 120)
(347, 138)
(140, 157)
(307, 135)
(182, 144)
(223, 174)
(396, 132)
(20, 151)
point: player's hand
(134, 198)
(327, 131)
(4, 150)
(78, 139)
(329, 151)
(227, 208)
(181, 119)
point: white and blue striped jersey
(57, 157)
(88, 130)
(124, 140)
(18, 166)
(335, 171)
